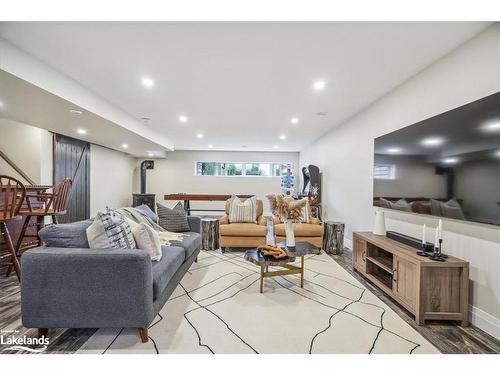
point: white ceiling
(240, 83)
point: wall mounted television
(447, 165)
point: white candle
(423, 234)
(436, 238)
(440, 226)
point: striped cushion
(242, 211)
(306, 216)
(110, 230)
(173, 220)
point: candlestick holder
(423, 253)
(438, 255)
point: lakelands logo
(10, 340)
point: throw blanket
(166, 237)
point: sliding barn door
(72, 160)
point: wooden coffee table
(300, 250)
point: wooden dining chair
(55, 203)
(12, 195)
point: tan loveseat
(243, 234)
(311, 232)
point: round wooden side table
(333, 238)
(209, 234)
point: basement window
(384, 172)
(246, 169)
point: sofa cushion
(173, 219)
(243, 230)
(189, 243)
(144, 208)
(163, 271)
(110, 230)
(242, 210)
(72, 235)
(301, 230)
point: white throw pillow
(305, 213)
(147, 239)
(243, 211)
(110, 230)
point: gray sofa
(78, 287)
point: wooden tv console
(428, 289)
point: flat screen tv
(447, 165)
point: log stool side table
(333, 238)
(209, 234)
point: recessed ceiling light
(145, 120)
(393, 150)
(275, 147)
(76, 112)
(432, 141)
(183, 118)
(321, 114)
(81, 131)
(283, 137)
(210, 146)
(319, 85)
(491, 127)
(199, 135)
(147, 82)
(450, 160)
(244, 146)
(294, 120)
(150, 154)
(124, 145)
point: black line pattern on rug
(158, 321)
(154, 344)
(201, 286)
(330, 322)
(347, 312)
(218, 317)
(197, 334)
(113, 341)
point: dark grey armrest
(88, 288)
(194, 223)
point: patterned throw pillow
(110, 230)
(242, 211)
(173, 219)
(306, 216)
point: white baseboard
(484, 321)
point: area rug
(217, 308)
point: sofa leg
(196, 260)
(223, 249)
(143, 332)
(43, 332)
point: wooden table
(187, 198)
(300, 250)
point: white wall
(111, 179)
(345, 156)
(29, 148)
(176, 174)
